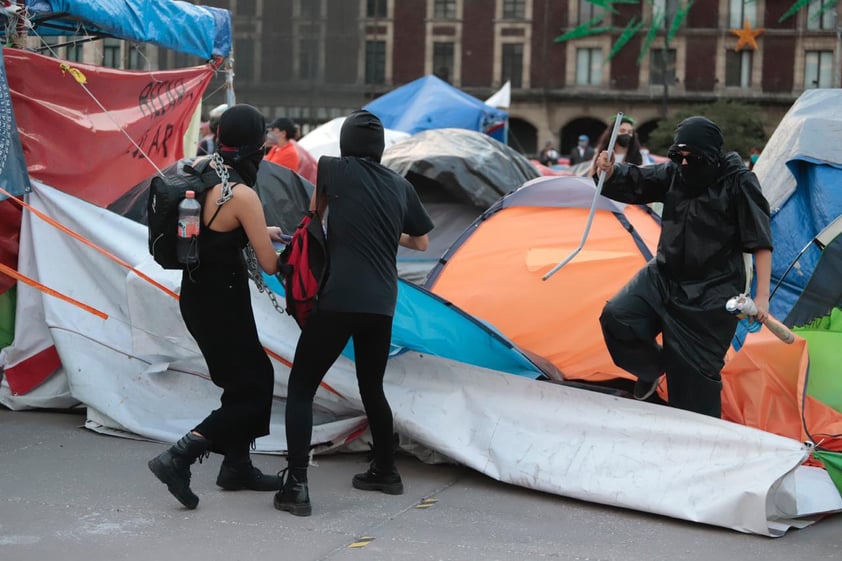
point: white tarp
(138, 371)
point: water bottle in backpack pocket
(189, 223)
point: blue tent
(800, 171)
(431, 103)
(202, 31)
(426, 323)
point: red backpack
(303, 266)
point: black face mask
(699, 173)
(624, 140)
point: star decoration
(746, 36)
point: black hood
(699, 135)
(362, 136)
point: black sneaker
(246, 476)
(294, 497)
(388, 482)
(644, 389)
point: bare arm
(421, 243)
(249, 212)
(763, 266)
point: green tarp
(833, 464)
(7, 317)
(824, 338)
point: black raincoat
(682, 292)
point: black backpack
(165, 193)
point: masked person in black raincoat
(370, 211)
(714, 211)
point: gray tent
(458, 173)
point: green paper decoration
(588, 29)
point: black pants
(695, 341)
(217, 311)
(321, 343)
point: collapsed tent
(124, 126)
(132, 364)
(431, 103)
(111, 318)
(457, 173)
(497, 277)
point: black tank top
(221, 248)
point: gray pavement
(68, 493)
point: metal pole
(600, 183)
(837, 71)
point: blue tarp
(202, 31)
(426, 323)
(816, 202)
(431, 103)
(13, 175)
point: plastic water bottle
(189, 220)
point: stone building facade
(313, 60)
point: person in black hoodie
(370, 211)
(714, 211)
(216, 306)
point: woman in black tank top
(216, 308)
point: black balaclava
(240, 137)
(701, 137)
(362, 136)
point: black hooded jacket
(703, 234)
(369, 206)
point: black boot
(387, 480)
(237, 472)
(295, 496)
(172, 467)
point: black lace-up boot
(172, 467)
(387, 480)
(294, 497)
(237, 472)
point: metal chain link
(257, 277)
(248, 253)
(222, 171)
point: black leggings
(320, 344)
(217, 311)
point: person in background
(583, 151)
(371, 210)
(753, 156)
(714, 211)
(205, 139)
(627, 146)
(281, 137)
(207, 145)
(549, 155)
(216, 306)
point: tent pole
(602, 174)
(230, 97)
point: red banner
(76, 137)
